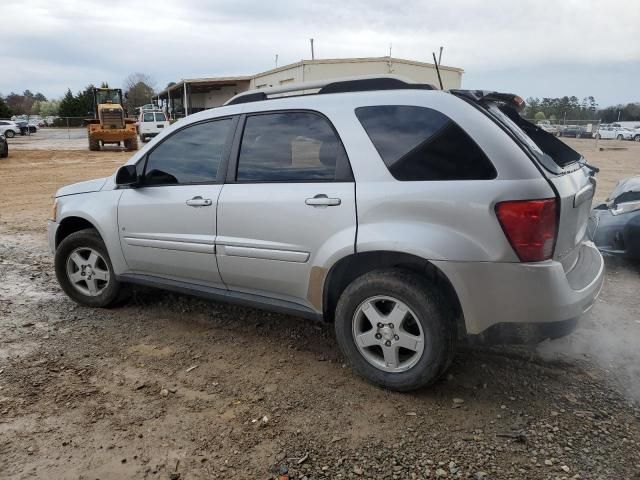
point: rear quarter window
(422, 144)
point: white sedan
(610, 132)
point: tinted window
(160, 117)
(291, 147)
(191, 155)
(418, 143)
(148, 117)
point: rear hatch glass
(549, 145)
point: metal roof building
(196, 94)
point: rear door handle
(321, 200)
(199, 202)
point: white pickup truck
(151, 123)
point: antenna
(437, 70)
(276, 60)
(313, 56)
(440, 56)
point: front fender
(101, 210)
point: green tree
(68, 105)
(539, 116)
(5, 111)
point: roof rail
(363, 83)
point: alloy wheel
(87, 271)
(387, 334)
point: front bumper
(52, 230)
(525, 302)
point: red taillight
(530, 227)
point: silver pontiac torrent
(412, 218)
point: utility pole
(390, 48)
(440, 56)
(276, 60)
(313, 56)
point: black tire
(94, 145)
(9, 134)
(637, 138)
(88, 238)
(5, 153)
(432, 312)
(131, 144)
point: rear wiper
(592, 169)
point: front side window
(291, 147)
(419, 143)
(191, 155)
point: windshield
(107, 96)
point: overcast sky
(530, 47)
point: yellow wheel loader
(110, 125)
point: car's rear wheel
(619, 137)
(393, 327)
(9, 134)
(637, 138)
(84, 270)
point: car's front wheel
(9, 134)
(393, 327)
(84, 270)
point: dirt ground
(168, 386)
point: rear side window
(191, 155)
(160, 117)
(419, 144)
(291, 147)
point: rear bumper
(525, 302)
(112, 135)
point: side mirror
(127, 176)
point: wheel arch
(71, 225)
(348, 268)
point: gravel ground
(167, 386)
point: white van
(151, 124)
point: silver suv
(411, 218)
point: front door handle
(199, 202)
(321, 200)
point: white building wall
(278, 77)
(319, 70)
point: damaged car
(615, 224)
